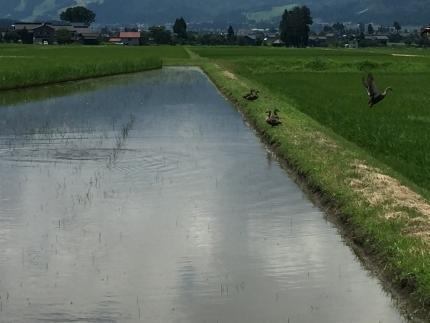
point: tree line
(294, 30)
(180, 36)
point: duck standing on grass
(273, 118)
(372, 91)
(252, 95)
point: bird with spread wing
(374, 94)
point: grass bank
(326, 85)
(381, 208)
(23, 66)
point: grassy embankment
(371, 166)
(23, 66)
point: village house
(317, 41)
(88, 38)
(26, 25)
(129, 37)
(269, 38)
(62, 26)
(81, 29)
(248, 40)
(278, 43)
(115, 40)
(44, 34)
(353, 43)
(377, 40)
(41, 33)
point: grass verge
(326, 85)
(386, 219)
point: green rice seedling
(23, 66)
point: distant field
(326, 84)
(22, 65)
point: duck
(273, 118)
(375, 96)
(252, 95)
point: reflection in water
(148, 199)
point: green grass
(23, 66)
(326, 85)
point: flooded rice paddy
(146, 198)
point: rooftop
(129, 34)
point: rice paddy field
(23, 66)
(370, 162)
(326, 85)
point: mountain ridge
(414, 12)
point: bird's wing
(364, 81)
(367, 86)
(372, 89)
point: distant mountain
(415, 12)
(412, 12)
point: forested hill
(415, 12)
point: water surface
(146, 198)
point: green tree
(370, 29)
(78, 14)
(11, 36)
(285, 28)
(160, 35)
(64, 36)
(144, 38)
(294, 26)
(231, 37)
(397, 26)
(328, 29)
(180, 28)
(339, 27)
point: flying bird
(374, 94)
